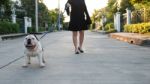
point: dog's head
(30, 41)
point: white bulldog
(33, 48)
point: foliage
(109, 28)
(144, 2)
(32, 29)
(113, 5)
(53, 16)
(46, 17)
(65, 26)
(29, 7)
(142, 9)
(140, 14)
(110, 10)
(8, 27)
(124, 5)
(7, 7)
(137, 28)
(95, 18)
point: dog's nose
(29, 41)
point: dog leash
(43, 35)
(11, 62)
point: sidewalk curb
(11, 36)
(131, 39)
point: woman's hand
(67, 6)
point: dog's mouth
(30, 46)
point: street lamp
(36, 15)
(58, 14)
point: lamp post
(58, 14)
(36, 15)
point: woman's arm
(88, 19)
(67, 7)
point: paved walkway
(105, 61)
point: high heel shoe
(77, 52)
(80, 50)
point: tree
(144, 2)
(6, 4)
(95, 17)
(43, 12)
(54, 17)
(144, 5)
(44, 17)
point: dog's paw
(29, 63)
(25, 66)
(42, 65)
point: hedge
(137, 28)
(8, 27)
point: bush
(137, 28)
(109, 28)
(8, 27)
(33, 29)
(41, 29)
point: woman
(79, 21)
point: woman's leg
(74, 37)
(81, 39)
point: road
(105, 61)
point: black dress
(79, 17)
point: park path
(105, 61)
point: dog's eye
(32, 38)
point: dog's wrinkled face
(30, 42)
